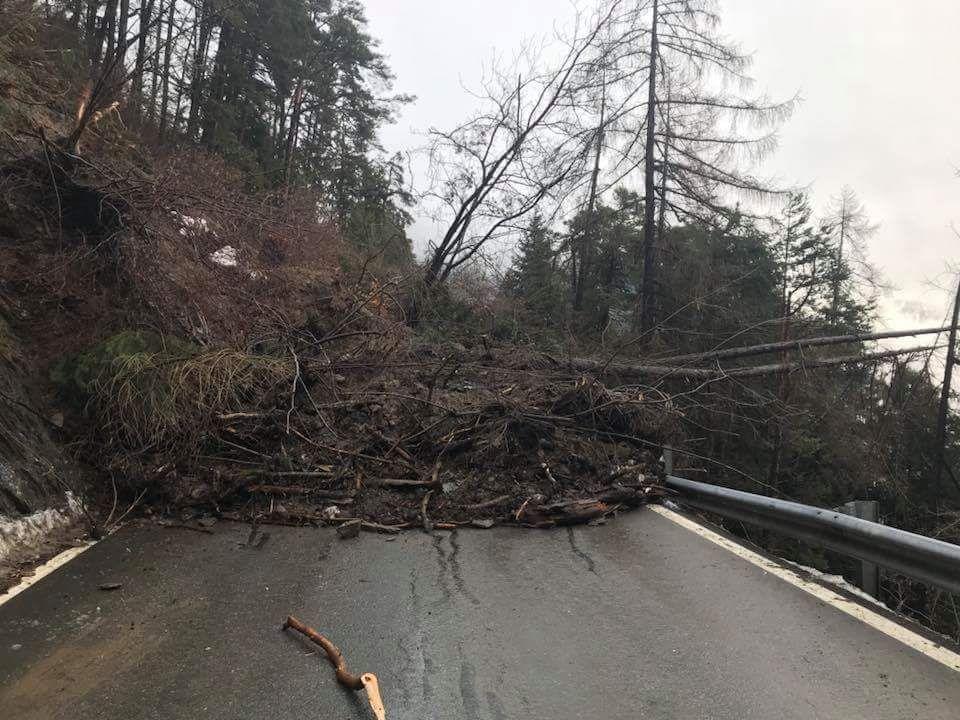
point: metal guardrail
(932, 561)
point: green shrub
(75, 377)
(144, 391)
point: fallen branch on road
(366, 681)
(584, 510)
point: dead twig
(126, 512)
(322, 471)
(293, 389)
(401, 483)
(435, 376)
(546, 468)
(493, 502)
(427, 525)
(388, 529)
(348, 453)
(337, 498)
(367, 681)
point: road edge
(41, 571)
(924, 645)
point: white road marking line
(43, 570)
(931, 649)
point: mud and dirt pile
(392, 435)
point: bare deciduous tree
(943, 409)
(851, 229)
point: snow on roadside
(837, 581)
(17, 534)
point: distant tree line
(588, 276)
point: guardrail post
(869, 576)
(667, 459)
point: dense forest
(601, 205)
(289, 92)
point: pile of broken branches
(398, 449)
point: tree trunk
(110, 30)
(122, 27)
(662, 209)
(835, 304)
(603, 367)
(944, 408)
(182, 83)
(167, 52)
(155, 79)
(90, 28)
(590, 232)
(648, 283)
(801, 344)
(103, 33)
(146, 13)
(291, 143)
(280, 121)
(783, 377)
(218, 83)
(205, 23)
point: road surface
(639, 618)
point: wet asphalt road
(639, 618)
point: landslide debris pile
(409, 438)
(204, 344)
(214, 351)
(211, 350)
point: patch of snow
(225, 256)
(837, 581)
(187, 222)
(24, 532)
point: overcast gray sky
(880, 110)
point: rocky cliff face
(34, 472)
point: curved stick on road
(367, 681)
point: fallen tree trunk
(583, 510)
(704, 374)
(767, 348)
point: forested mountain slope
(211, 306)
